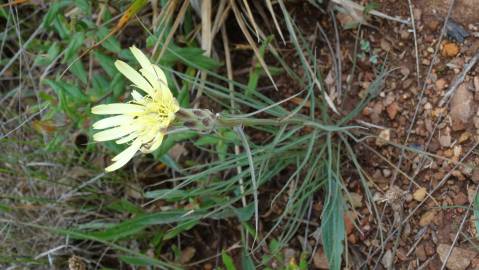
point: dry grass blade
(269, 5)
(174, 27)
(206, 42)
(251, 18)
(165, 16)
(206, 34)
(222, 12)
(248, 36)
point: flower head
(143, 121)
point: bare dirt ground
(430, 104)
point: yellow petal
(129, 151)
(156, 78)
(127, 138)
(125, 156)
(112, 121)
(155, 143)
(113, 133)
(117, 108)
(134, 77)
(147, 67)
(137, 96)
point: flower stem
(222, 121)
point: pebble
(320, 261)
(404, 34)
(417, 13)
(450, 49)
(387, 259)
(420, 194)
(427, 218)
(476, 83)
(421, 253)
(387, 172)
(445, 140)
(460, 199)
(384, 137)
(475, 120)
(464, 137)
(432, 23)
(461, 107)
(392, 110)
(475, 175)
(355, 199)
(459, 258)
(440, 84)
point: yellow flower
(143, 121)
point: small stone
(355, 199)
(461, 107)
(460, 199)
(449, 153)
(385, 45)
(432, 23)
(476, 83)
(457, 149)
(471, 194)
(420, 194)
(320, 261)
(187, 254)
(445, 140)
(348, 223)
(475, 263)
(475, 175)
(464, 137)
(417, 13)
(392, 110)
(76, 263)
(459, 259)
(421, 253)
(475, 121)
(378, 108)
(387, 259)
(352, 238)
(450, 49)
(389, 100)
(384, 137)
(427, 218)
(404, 34)
(405, 71)
(429, 248)
(440, 84)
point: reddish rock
(450, 49)
(392, 110)
(421, 253)
(475, 175)
(440, 84)
(460, 199)
(461, 108)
